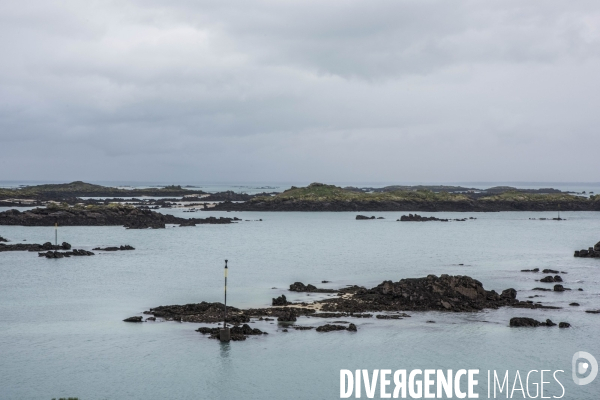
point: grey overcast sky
(307, 90)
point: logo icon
(582, 361)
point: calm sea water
(61, 329)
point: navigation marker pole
(225, 333)
(55, 235)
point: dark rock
(133, 319)
(325, 281)
(531, 270)
(352, 328)
(564, 325)
(592, 311)
(519, 322)
(359, 217)
(547, 279)
(151, 319)
(280, 301)
(2, 239)
(542, 289)
(509, 294)
(303, 328)
(592, 252)
(559, 288)
(575, 304)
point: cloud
(414, 90)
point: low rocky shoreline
(118, 215)
(390, 300)
(34, 247)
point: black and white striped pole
(225, 333)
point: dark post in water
(225, 334)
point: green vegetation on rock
(83, 189)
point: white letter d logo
(583, 367)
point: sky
(328, 90)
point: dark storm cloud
(300, 90)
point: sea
(61, 320)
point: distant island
(63, 191)
(322, 197)
(314, 197)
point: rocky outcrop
(115, 248)
(592, 252)
(119, 215)
(301, 287)
(432, 293)
(280, 301)
(3, 240)
(34, 247)
(237, 332)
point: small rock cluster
(58, 254)
(520, 322)
(592, 252)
